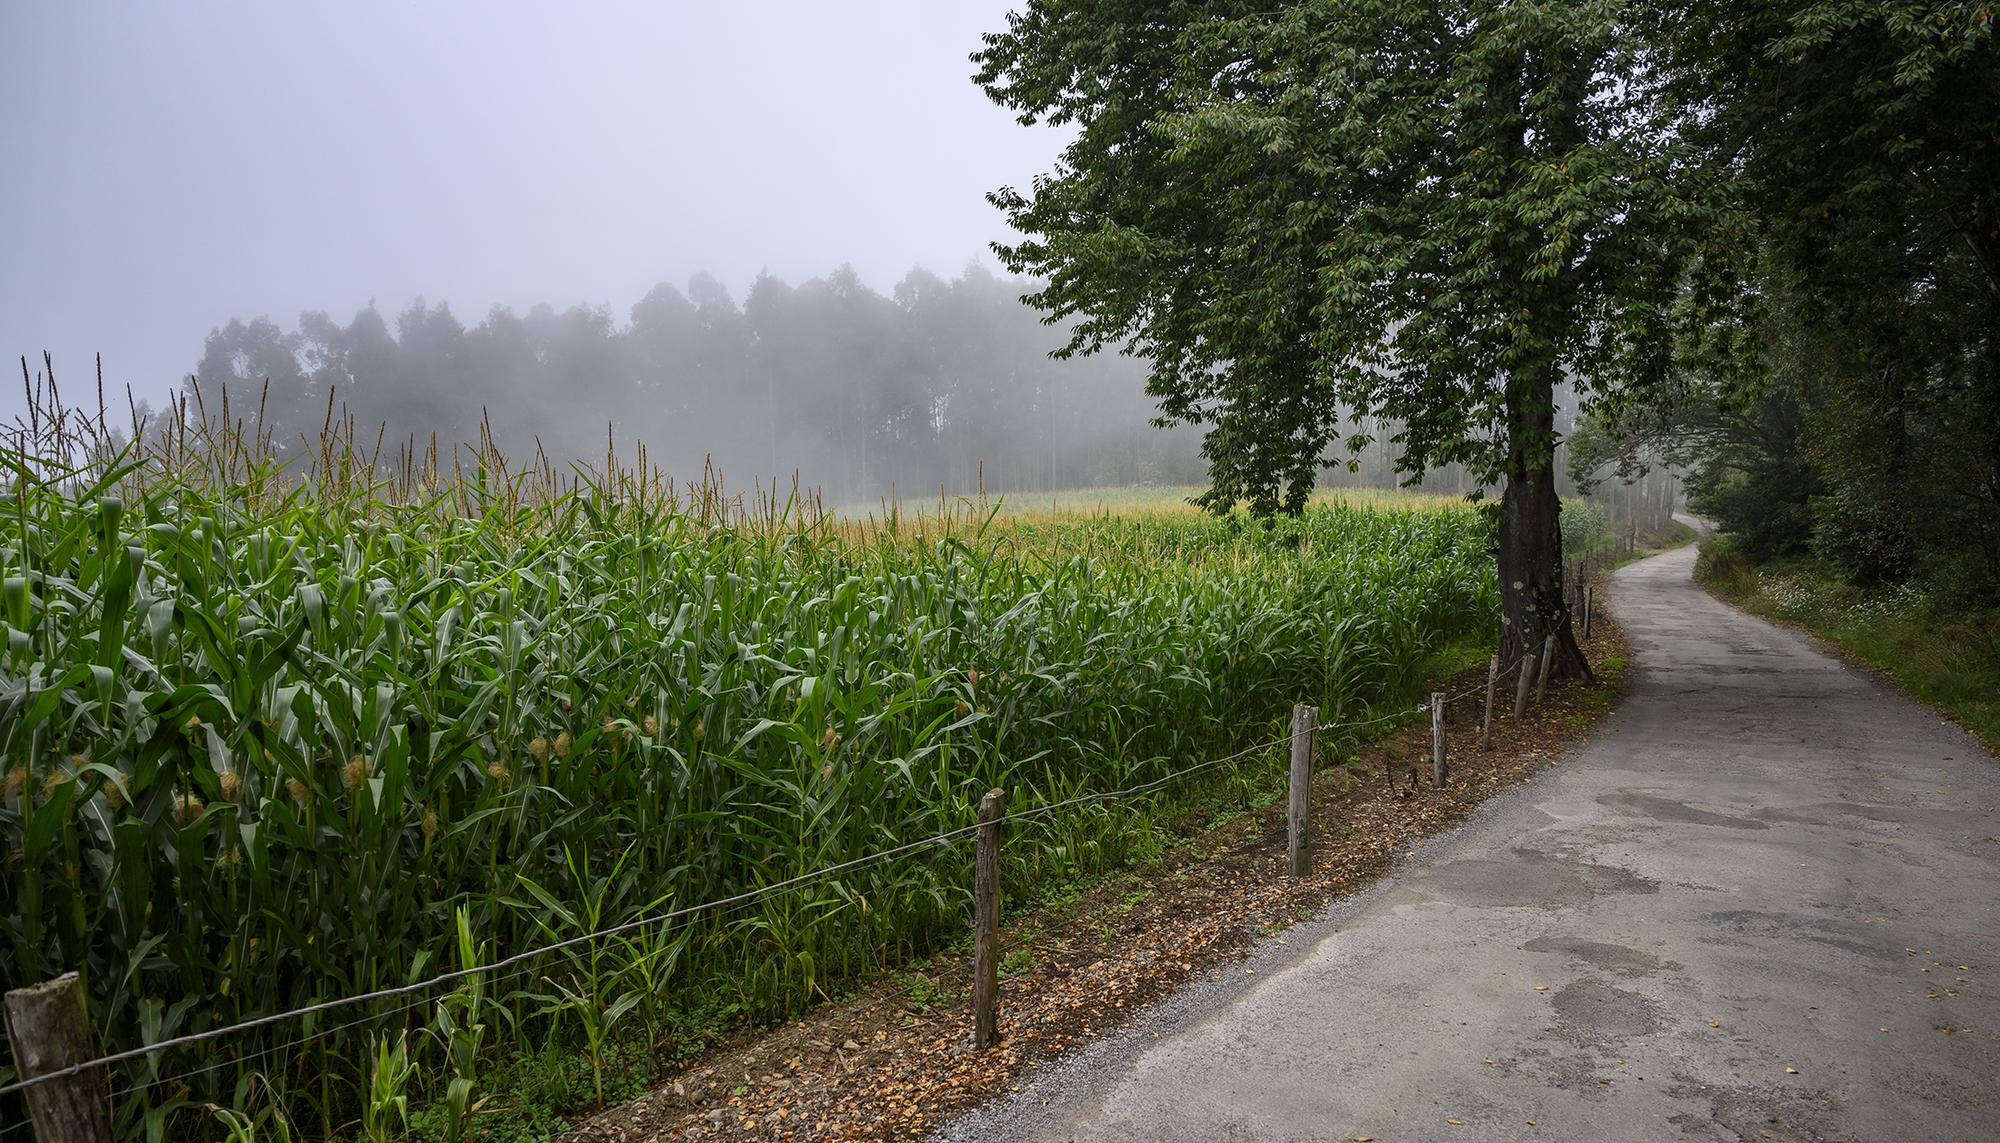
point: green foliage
(597, 986)
(1301, 212)
(1946, 654)
(459, 1027)
(1768, 513)
(922, 992)
(1310, 215)
(267, 1124)
(1753, 476)
(1018, 961)
(1585, 524)
(268, 743)
(386, 1113)
(1856, 139)
(1722, 566)
(1860, 531)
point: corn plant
(459, 1028)
(276, 735)
(387, 1111)
(594, 988)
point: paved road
(1766, 862)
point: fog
(937, 384)
(173, 168)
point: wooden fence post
(1588, 592)
(48, 1025)
(1527, 680)
(1298, 822)
(1437, 738)
(986, 923)
(1492, 681)
(1548, 660)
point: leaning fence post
(986, 922)
(1437, 738)
(48, 1025)
(1548, 661)
(1492, 681)
(1298, 822)
(1527, 680)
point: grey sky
(169, 166)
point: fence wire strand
(298, 1041)
(432, 983)
(518, 962)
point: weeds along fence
(275, 735)
(65, 1087)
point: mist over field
(936, 384)
(698, 227)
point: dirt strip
(892, 1062)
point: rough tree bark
(1533, 604)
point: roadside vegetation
(1942, 652)
(1092, 955)
(273, 740)
(1837, 409)
(285, 723)
(1077, 504)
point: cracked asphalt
(1763, 903)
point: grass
(1947, 657)
(273, 737)
(1073, 504)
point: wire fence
(421, 992)
(487, 979)
(961, 968)
(431, 984)
(1498, 673)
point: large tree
(1860, 135)
(1308, 214)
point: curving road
(1763, 904)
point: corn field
(278, 735)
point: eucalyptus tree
(1307, 214)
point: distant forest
(937, 383)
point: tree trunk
(1533, 604)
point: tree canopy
(1349, 208)
(1303, 212)
(1847, 401)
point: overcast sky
(170, 166)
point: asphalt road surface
(1764, 903)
